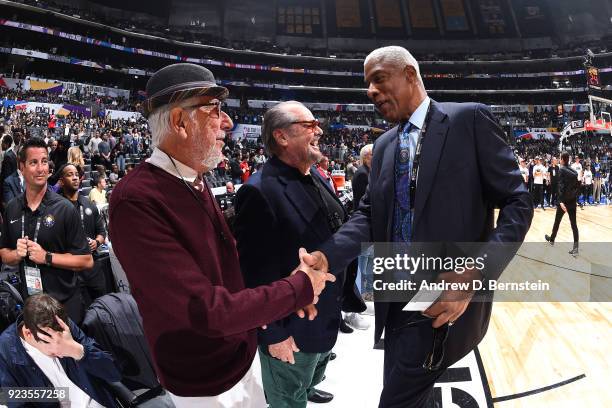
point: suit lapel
(304, 205)
(437, 130)
(387, 178)
(315, 173)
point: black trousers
(571, 212)
(554, 194)
(538, 196)
(92, 284)
(406, 384)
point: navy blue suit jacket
(466, 171)
(275, 216)
(12, 188)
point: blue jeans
(365, 275)
(120, 162)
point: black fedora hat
(178, 82)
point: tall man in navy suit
(285, 206)
(464, 171)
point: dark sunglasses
(308, 124)
(215, 111)
(434, 358)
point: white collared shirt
(54, 371)
(162, 160)
(417, 119)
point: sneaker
(574, 252)
(356, 321)
(549, 240)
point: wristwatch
(48, 259)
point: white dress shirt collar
(418, 116)
(162, 160)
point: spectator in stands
(229, 188)
(245, 169)
(13, 187)
(104, 149)
(92, 281)
(322, 168)
(114, 177)
(11, 146)
(260, 158)
(597, 172)
(236, 169)
(174, 246)
(350, 169)
(45, 349)
(49, 256)
(539, 172)
(97, 195)
(75, 157)
(119, 152)
(94, 142)
(553, 177)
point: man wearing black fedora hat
(180, 257)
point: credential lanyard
(35, 238)
(417, 157)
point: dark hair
(565, 157)
(7, 140)
(40, 310)
(32, 142)
(99, 178)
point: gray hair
(159, 120)
(365, 150)
(397, 56)
(277, 117)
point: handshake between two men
(316, 267)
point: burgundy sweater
(181, 261)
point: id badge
(33, 280)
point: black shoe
(574, 252)
(320, 397)
(344, 328)
(549, 239)
(380, 345)
(332, 356)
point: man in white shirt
(524, 170)
(539, 172)
(94, 142)
(46, 349)
(587, 178)
(577, 167)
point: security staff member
(42, 233)
(91, 280)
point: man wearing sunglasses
(180, 257)
(436, 148)
(285, 206)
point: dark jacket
(568, 186)
(275, 216)
(9, 166)
(359, 184)
(18, 369)
(12, 188)
(466, 170)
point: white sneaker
(369, 309)
(356, 321)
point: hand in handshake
(316, 267)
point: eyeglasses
(308, 124)
(215, 111)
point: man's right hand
(563, 207)
(22, 247)
(315, 266)
(284, 350)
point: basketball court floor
(535, 354)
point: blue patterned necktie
(402, 220)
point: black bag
(11, 304)
(115, 323)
